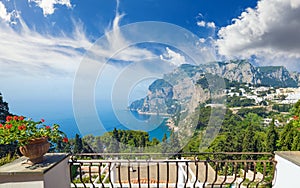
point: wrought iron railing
(172, 170)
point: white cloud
(270, 31)
(295, 3)
(6, 16)
(202, 40)
(3, 13)
(206, 24)
(173, 57)
(201, 23)
(211, 24)
(44, 65)
(48, 5)
(28, 52)
(115, 40)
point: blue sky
(43, 42)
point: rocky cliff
(277, 76)
(189, 85)
(160, 99)
(241, 71)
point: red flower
(47, 127)
(9, 126)
(42, 120)
(21, 118)
(65, 139)
(8, 118)
(1, 126)
(16, 118)
(295, 117)
(22, 127)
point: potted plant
(32, 137)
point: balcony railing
(172, 170)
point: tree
(59, 146)
(296, 142)
(4, 110)
(154, 142)
(250, 141)
(113, 146)
(93, 142)
(164, 144)
(116, 134)
(174, 144)
(77, 144)
(271, 138)
(286, 137)
(218, 144)
(296, 108)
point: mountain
(160, 99)
(277, 76)
(241, 71)
(245, 72)
(188, 85)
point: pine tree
(116, 135)
(77, 144)
(248, 141)
(286, 137)
(271, 138)
(296, 142)
(174, 145)
(164, 144)
(114, 144)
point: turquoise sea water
(155, 125)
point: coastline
(169, 122)
(151, 113)
(109, 120)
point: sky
(45, 44)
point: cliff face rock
(277, 76)
(189, 85)
(179, 93)
(240, 71)
(243, 71)
(296, 76)
(158, 100)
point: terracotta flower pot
(35, 150)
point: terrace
(155, 170)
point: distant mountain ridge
(169, 95)
(244, 71)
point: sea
(154, 124)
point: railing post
(113, 177)
(181, 174)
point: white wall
(18, 175)
(31, 184)
(58, 176)
(287, 174)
